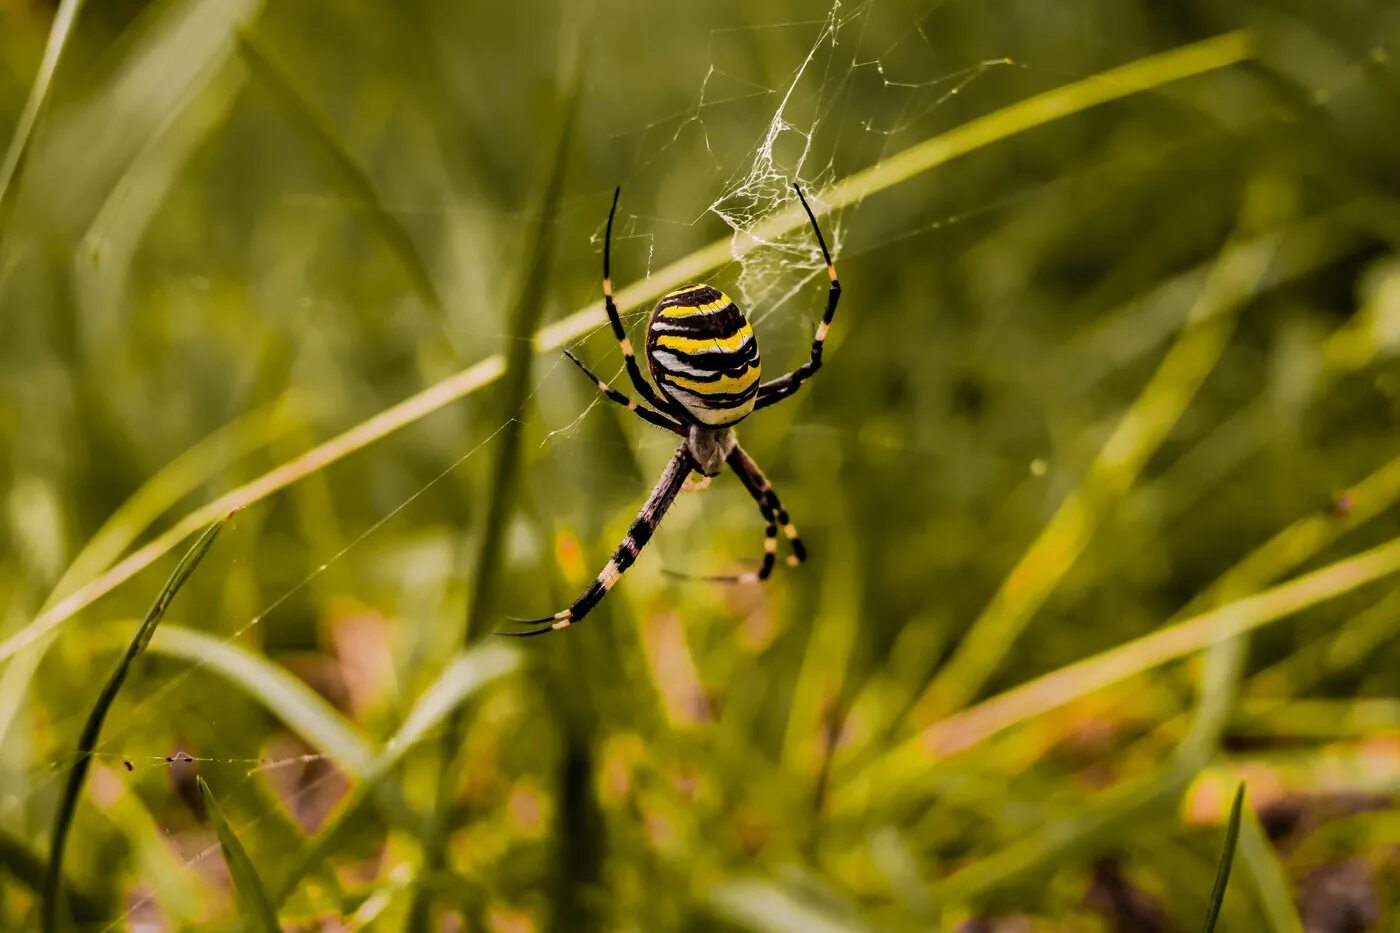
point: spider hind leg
(774, 517)
(643, 527)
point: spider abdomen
(703, 355)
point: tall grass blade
(29, 869)
(1138, 77)
(12, 166)
(342, 169)
(1227, 859)
(246, 882)
(166, 56)
(92, 730)
(505, 466)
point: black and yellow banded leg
(646, 414)
(778, 389)
(634, 372)
(768, 503)
(643, 526)
(765, 569)
(774, 517)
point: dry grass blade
(906, 764)
(1144, 75)
(130, 520)
(1227, 859)
(92, 730)
(240, 868)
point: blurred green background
(1100, 367)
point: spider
(704, 359)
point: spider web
(811, 132)
(753, 138)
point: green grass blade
(344, 172)
(92, 730)
(524, 321)
(505, 466)
(1143, 75)
(470, 673)
(462, 679)
(11, 167)
(130, 520)
(1270, 883)
(164, 57)
(240, 868)
(283, 694)
(1227, 859)
(288, 698)
(1106, 819)
(1233, 281)
(28, 868)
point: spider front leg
(634, 372)
(646, 414)
(778, 389)
(643, 527)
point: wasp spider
(704, 359)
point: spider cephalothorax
(704, 357)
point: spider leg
(634, 372)
(643, 526)
(646, 414)
(774, 515)
(772, 508)
(778, 389)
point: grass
(349, 178)
(1227, 861)
(256, 905)
(1098, 479)
(13, 162)
(1144, 426)
(483, 607)
(1270, 883)
(92, 729)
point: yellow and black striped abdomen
(703, 355)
